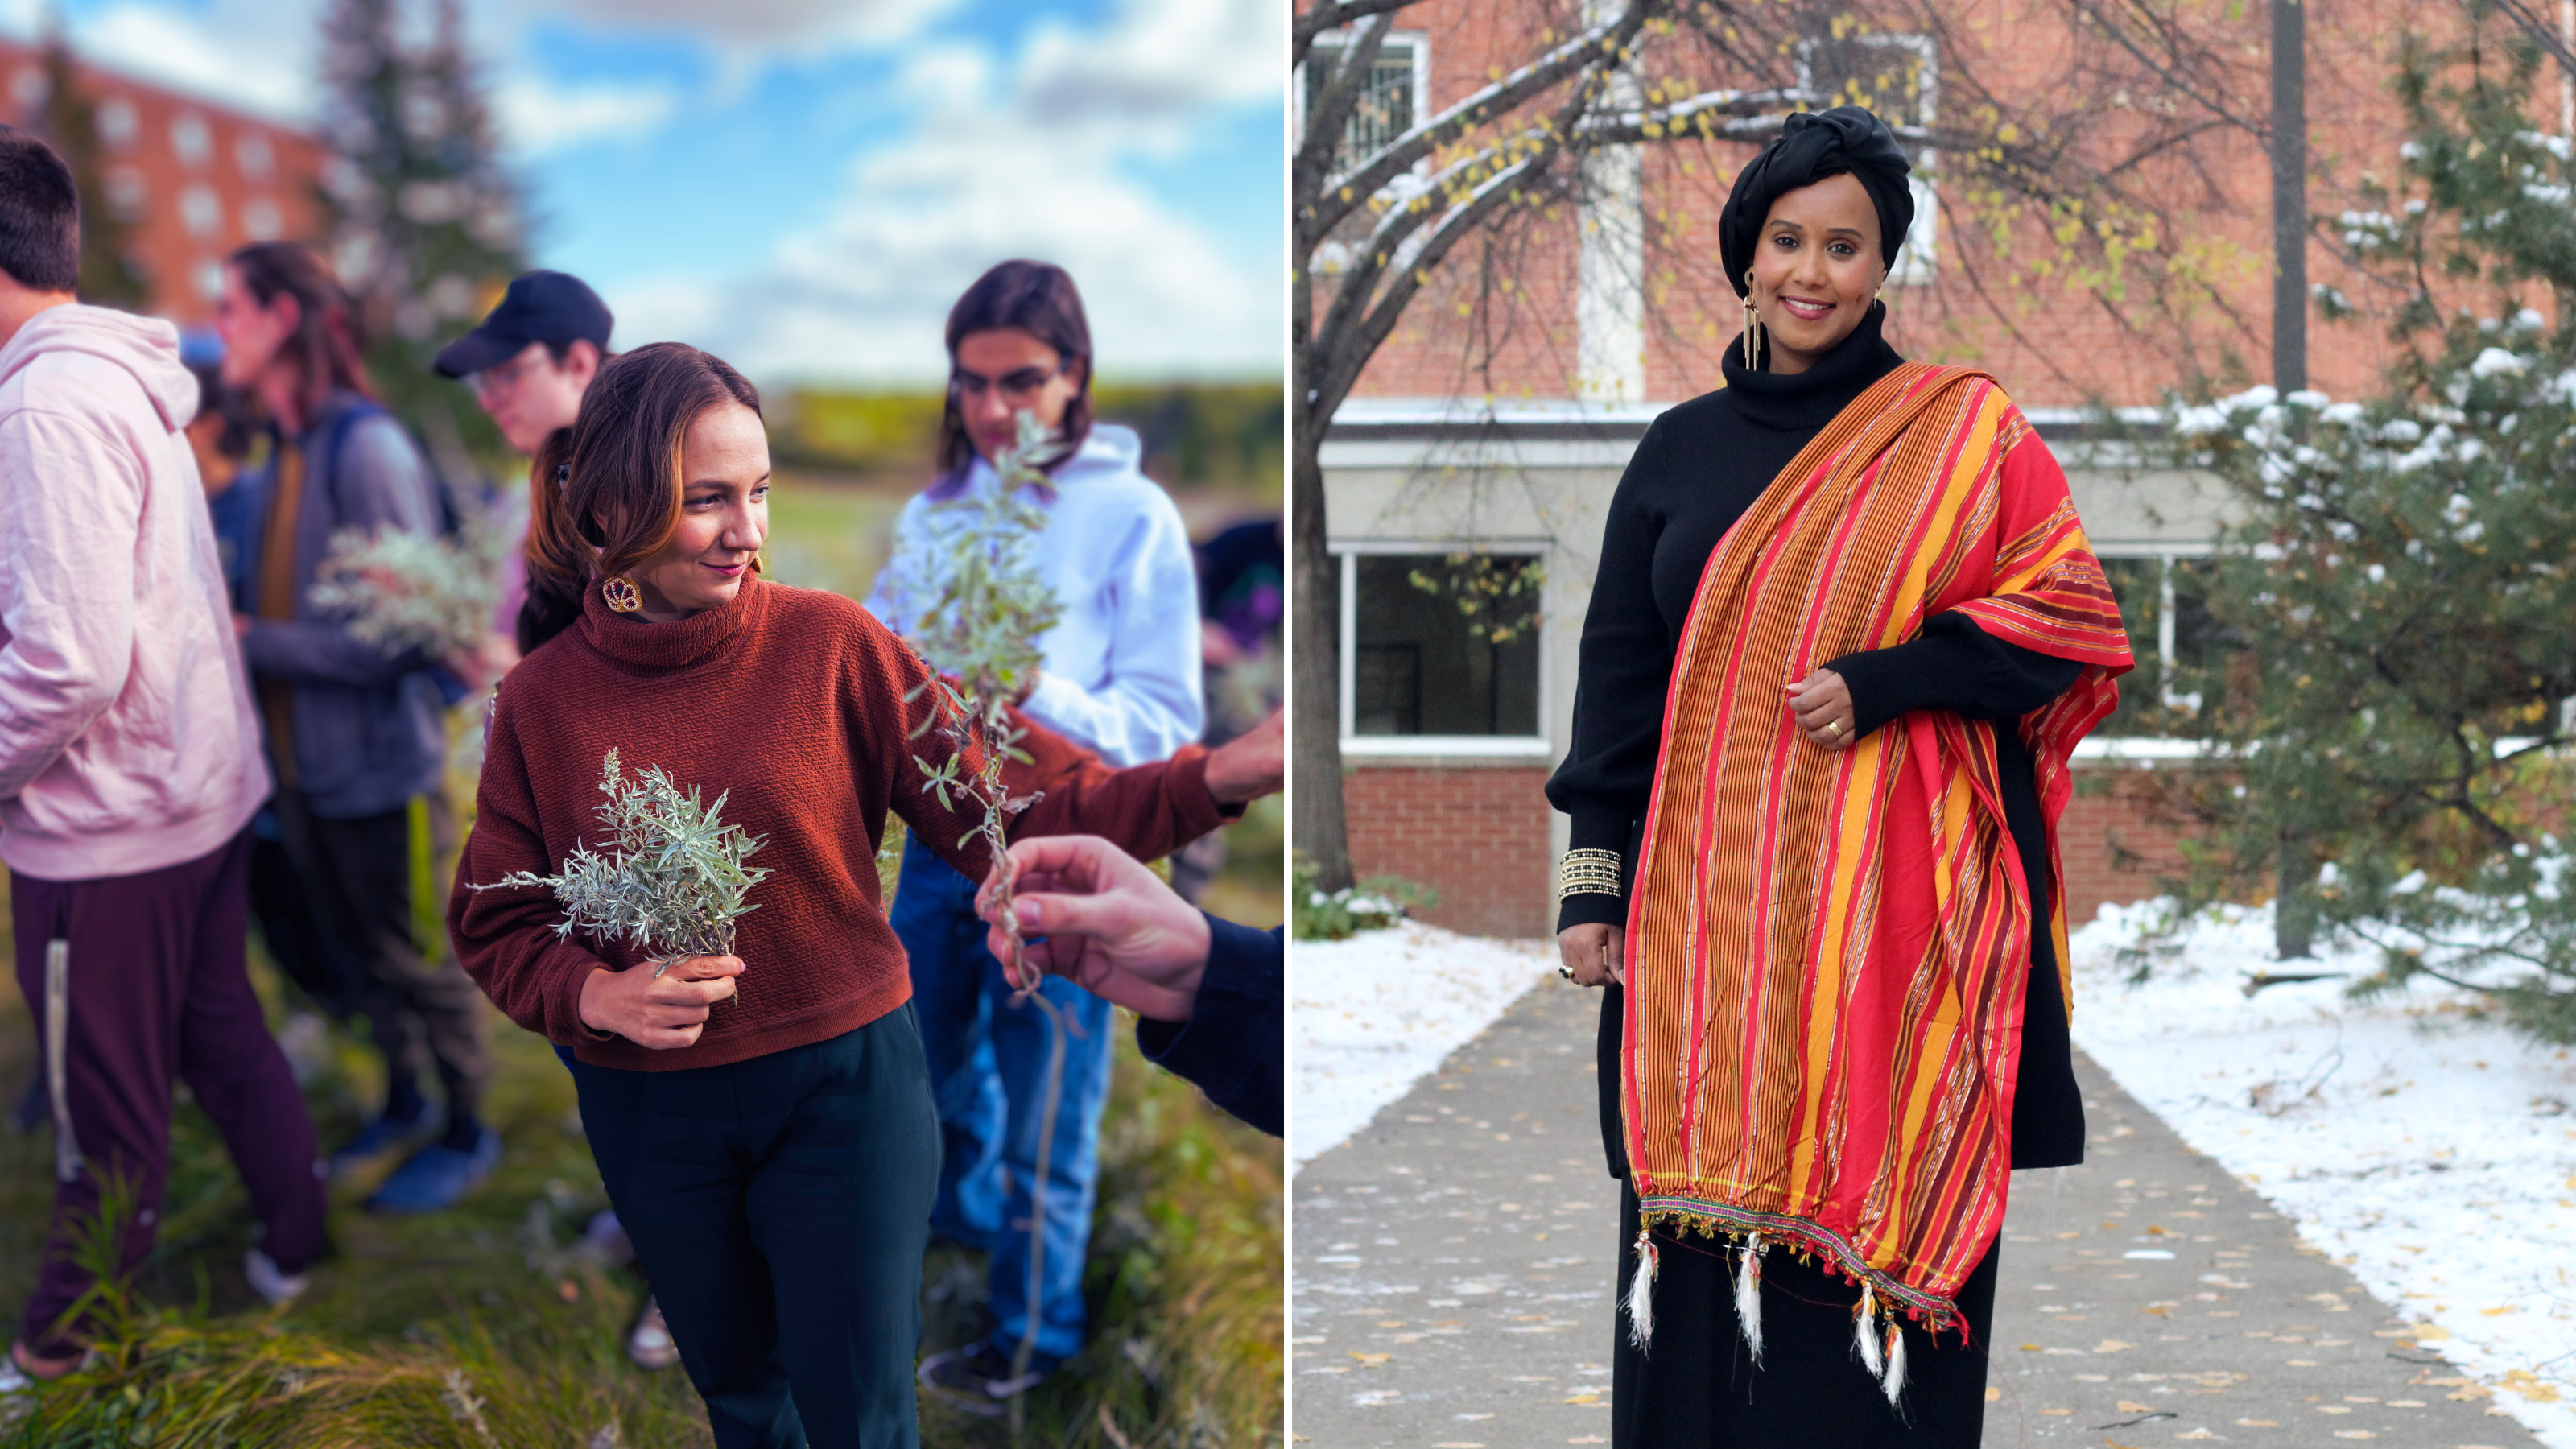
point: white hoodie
(128, 739)
(1122, 662)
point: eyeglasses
(1016, 387)
(500, 378)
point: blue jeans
(988, 1074)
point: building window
(1396, 93)
(261, 220)
(1441, 653)
(200, 210)
(127, 193)
(256, 159)
(190, 141)
(2164, 600)
(1899, 78)
(116, 121)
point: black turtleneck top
(1699, 467)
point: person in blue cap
(529, 363)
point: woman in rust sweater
(772, 1151)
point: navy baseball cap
(539, 307)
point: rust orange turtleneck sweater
(792, 701)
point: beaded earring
(621, 594)
(1752, 322)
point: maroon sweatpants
(155, 988)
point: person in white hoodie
(1121, 675)
(130, 768)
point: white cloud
(1016, 162)
(766, 23)
(259, 56)
(536, 116)
(1160, 61)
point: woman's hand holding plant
(661, 1012)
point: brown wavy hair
(605, 493)
(329, 345)
(1038, 298)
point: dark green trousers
(784, 1205)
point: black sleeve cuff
(1234, 1045)
(1884, 683)
(1601, 830)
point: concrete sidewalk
(1454, 1261)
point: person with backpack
(129, 771)
(356, 734)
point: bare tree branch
(1338, 196)
(1333, 15)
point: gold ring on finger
(1834, 727)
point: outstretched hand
(1111, 926)
(1250, 765)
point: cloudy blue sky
(804, 185)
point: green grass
(493, 1305)
(486, 1326)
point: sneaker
(383, 1135)
(23, 1370)
(976, 1378)
(279, 1288)
(649, 1341)
(437, 1176)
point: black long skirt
(1695, 1387)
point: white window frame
(1533, 746)
(1418, 40)
(2166, 556)
(1918, 261)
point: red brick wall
(2115, 841)
(1479, 836)
(2050, 337)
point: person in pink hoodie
(130, 768)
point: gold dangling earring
(621, 594)
(1752, 321)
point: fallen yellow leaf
(2109, 1345)
(1993, 1393)
(1371, 1359)
(2128, 1406)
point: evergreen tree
(426, 221)
(108, 277)
(2402, 578)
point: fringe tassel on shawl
(1894, 1382)
(1641, 1292)
(1748, 1296)
(1866, 1337)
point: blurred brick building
(192, 179)
(1472, 440)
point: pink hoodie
(128, 739)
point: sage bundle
(981, 633)
(401, 589)
(671, 881)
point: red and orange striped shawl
(1828, 951)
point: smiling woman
(1845, 635)
(772, 1153)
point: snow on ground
(1378, 1012)
(2431, 1152)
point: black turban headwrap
(1813, 145)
